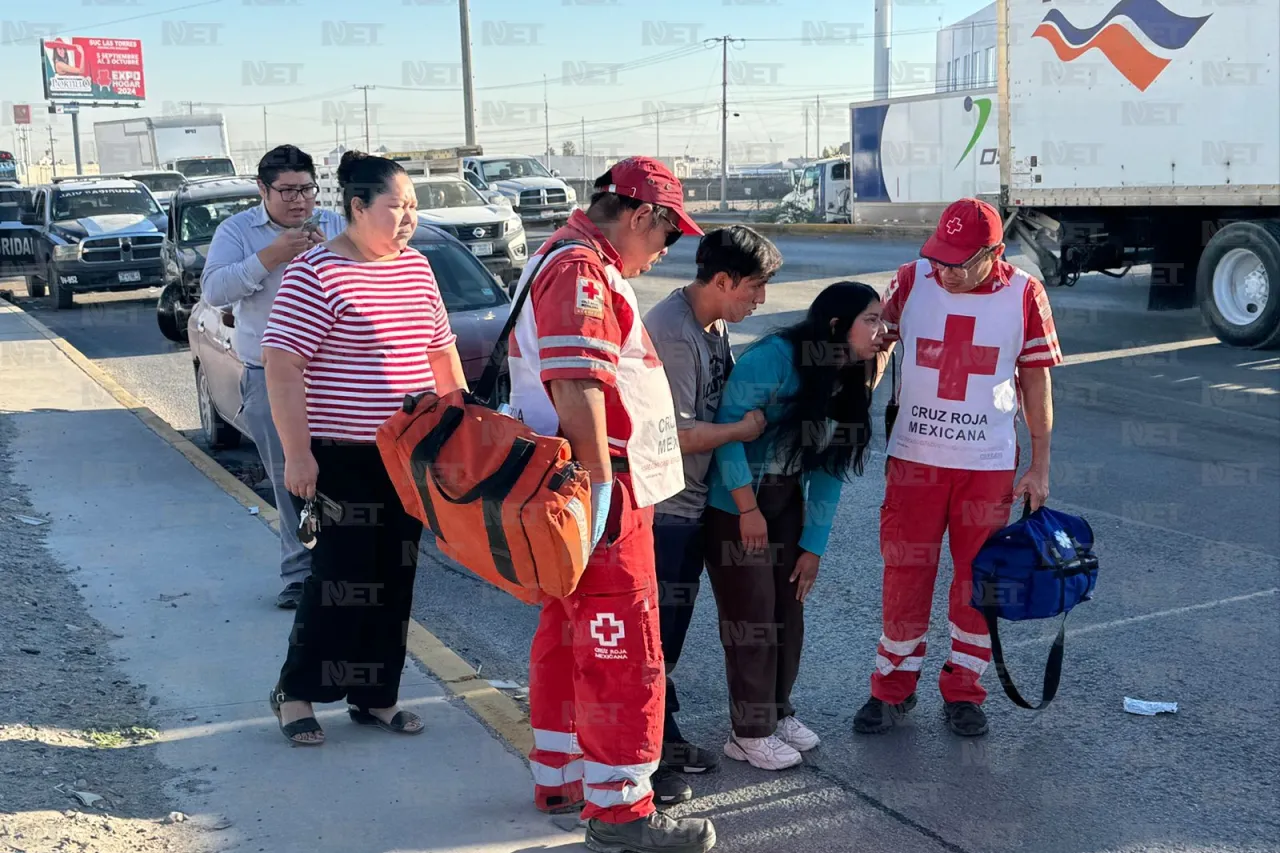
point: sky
(630, 76)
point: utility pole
(657, 134)
(265, 146)
(366, 114)
(546, 121)
(468, 83)
(724, 117)
(806, 131)
(53, 157)
(191, 106)
(585, 176)
(817, 125)
(337, 140)
(75, 135)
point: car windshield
(464, 283)
(102, 201)
(199, 221)
(206, 168)
(433, 195)
(160, 183)
(514, 169)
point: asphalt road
(1169, 444)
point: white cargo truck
(913, 156)
(194, 145)
(1148, 131)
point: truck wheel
(1238, 284)
(219, 434)
(62, 296)
(170, 316)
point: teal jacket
(762, 379)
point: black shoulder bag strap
(891, 408)
(1052, 668)
(483, 392)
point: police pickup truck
(18, 235)
(536, 194)
(89, 235)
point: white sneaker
(767, 753)
(796, 734)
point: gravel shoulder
(69, 719)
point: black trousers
(761, 622)
(679, 547)
(349, 631)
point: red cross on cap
(965, 227)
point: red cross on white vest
(956, 358)
(592, 292)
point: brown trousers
(761, 621)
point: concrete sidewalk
(185, 575)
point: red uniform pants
(596, 677)
(921, 502)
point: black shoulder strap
(483, 392)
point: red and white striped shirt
(365, 330)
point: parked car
(96, 234)
(477, 303)
(162, 183)
(195, 212)
(493, 232)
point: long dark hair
(833, 385)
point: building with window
(967, 52)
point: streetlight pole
(366, 116)
(468, 82)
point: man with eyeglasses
(978, 340)
(583, 367)
(246, 261)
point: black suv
(96, 235)
(195, 212)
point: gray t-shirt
(697, 363)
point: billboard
(93, 69)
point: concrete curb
(497, 710)
(821, 229)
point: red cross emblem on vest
(956, 358)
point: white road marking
(1130, 352)
(1146, 617)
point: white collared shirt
(233, 276)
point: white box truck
(194, 145)
(913, 156)
(1148, 131)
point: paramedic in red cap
(977, 343)
(582, 366)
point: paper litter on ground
(1149, 709)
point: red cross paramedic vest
(653, 448)
(959, 397)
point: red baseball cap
(648, 180)
(966, 227)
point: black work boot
(966, 719)
(656, 833)
(683, 757)
(668, 788)
(879, 716)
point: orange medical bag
(509, 504)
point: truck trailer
(194, 145)
(913, 156)
(1148, 131)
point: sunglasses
(967, 266)
(672, 235)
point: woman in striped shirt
(357, 324)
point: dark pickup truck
(85, 235)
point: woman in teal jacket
(771, 503)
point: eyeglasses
(672, 235)
(969, 265)
(291, 193)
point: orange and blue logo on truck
(1137, 62)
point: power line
(87, 27)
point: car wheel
(170, 315)
(219, 434)
(62, 296)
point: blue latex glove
(601, 497)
